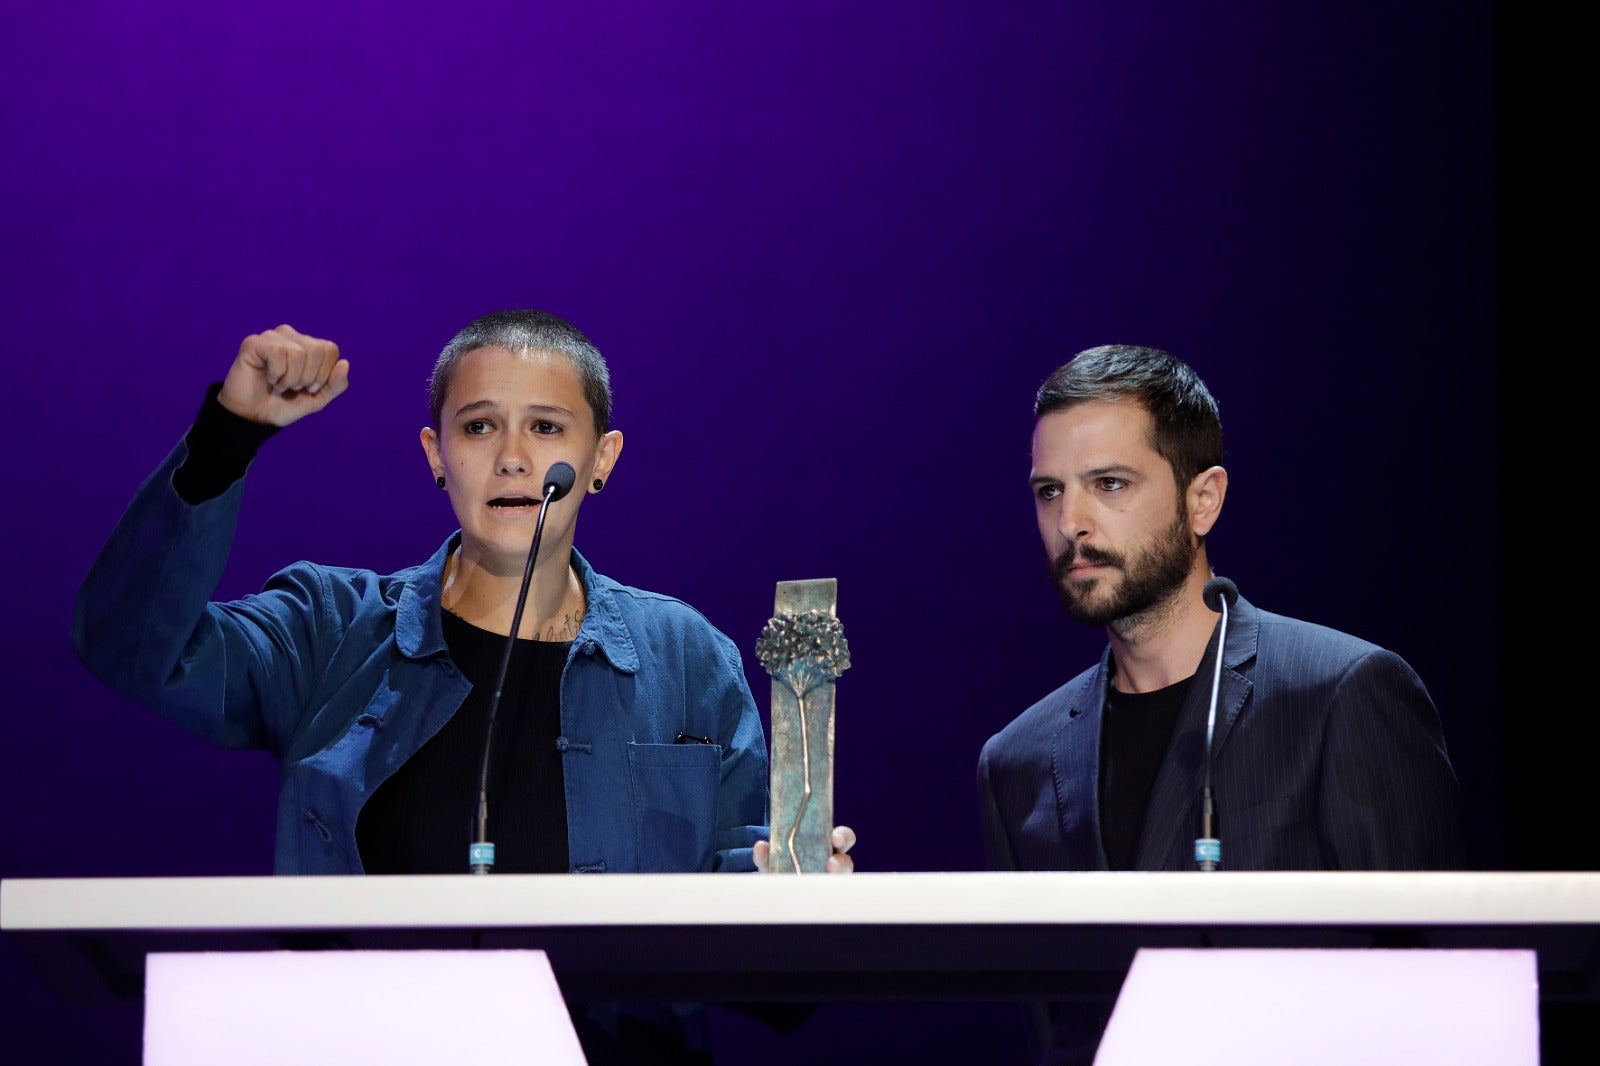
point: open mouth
(514, 502)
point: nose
(1072, 519)
(513, 459)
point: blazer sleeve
(996, 843)
(1389, 798)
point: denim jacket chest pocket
(675, 795)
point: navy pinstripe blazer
(1329, 755)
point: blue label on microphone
(481, 855)
(1208, 849)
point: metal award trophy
(804, 649)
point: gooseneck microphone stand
(1219, 595)
(557, 483)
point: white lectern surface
(903, 899)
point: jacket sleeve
(233, 673)
(997, 844)
(1389, 796)
(742, 791)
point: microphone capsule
(1218, 589)
(559, 479)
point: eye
(477, 427)
(1048, 492)
(1111, 484)
(546, 429)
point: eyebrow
(1116, 470)
(532, 408)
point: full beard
(1149, 577)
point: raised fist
(282, 375)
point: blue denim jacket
(342, 674)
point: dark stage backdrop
(830, 250)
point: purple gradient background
(830, 250)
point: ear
(430, 448)
(1206, 493)
(606, 454)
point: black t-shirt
(422, 819)
(1134, 735)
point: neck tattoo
(563, 630)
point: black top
(423, 817)
(221, 446)
(1134, 735)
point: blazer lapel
(1075, 766)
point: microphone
(1220, 594)
(1218, 590)
(558, 481)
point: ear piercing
(439, 481)
(599, 484)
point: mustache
(1085, 552)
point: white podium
(729, 938)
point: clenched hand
(282, 375)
